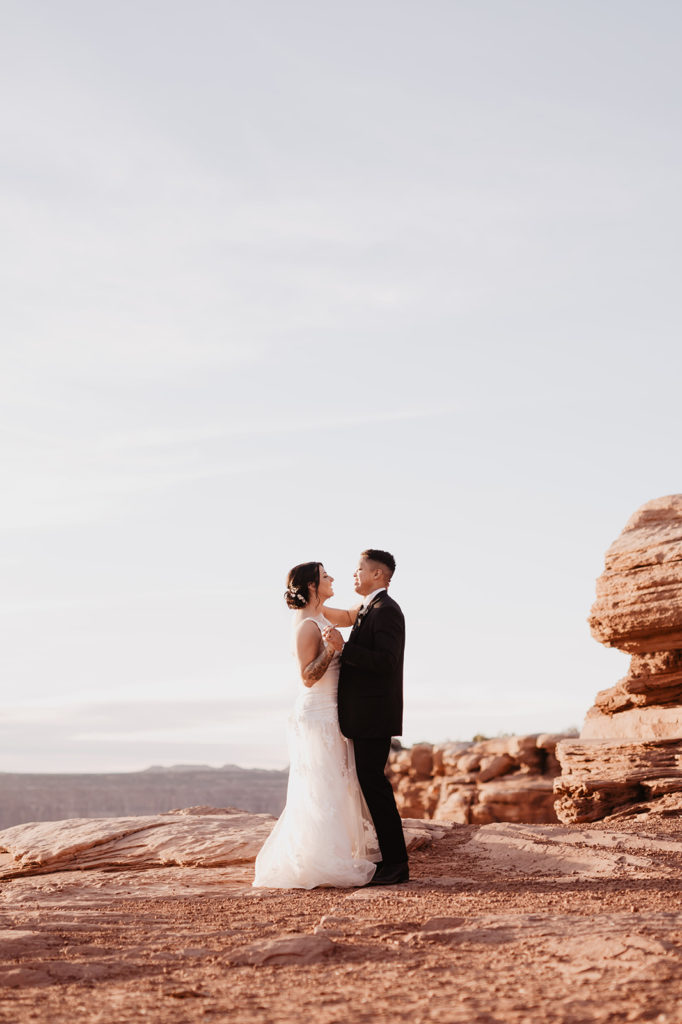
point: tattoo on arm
(317, 668)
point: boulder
(445, 756)
(494, 765)
(463, 782)
(401, 761)
(417, 799)
(455, 803)
(523, 800)
(421, 760)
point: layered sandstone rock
(505, 779)
(195, 837)
(200, 837)
(601, 778)
(630, 747)
(639, 594)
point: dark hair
(299, 580)
(383, 557)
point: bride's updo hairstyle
(299, 580)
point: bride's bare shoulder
(307, 639)
(308, 624)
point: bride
(325, 835)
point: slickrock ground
(501, 924)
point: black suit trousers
(370, 760)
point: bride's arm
(314, 654)
(341, 616)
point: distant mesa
(52, 797)
(628, 759)
(198, 768)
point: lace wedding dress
(325, 835)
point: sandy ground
(474, 937)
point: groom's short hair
(382, 557)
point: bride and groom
(341, 826)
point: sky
(285, 281)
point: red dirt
(112, 948)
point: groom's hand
(332, 637)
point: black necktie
(360, 616)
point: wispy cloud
(51, 482)
(173, 436)
(133, 735)
(130, 597)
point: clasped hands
(332, 638)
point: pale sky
(287, 280)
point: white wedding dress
(324, 835)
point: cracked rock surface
(499, 924)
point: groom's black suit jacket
(371, 678)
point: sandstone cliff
(629, 756)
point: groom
(371, 703)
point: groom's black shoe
(391, 874)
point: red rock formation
(505, 779)
(196, 837)
(639, 594)
(624, 754)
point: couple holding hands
(341, 826)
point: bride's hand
(331, 636)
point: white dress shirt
(366, 601)
(370, 597)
